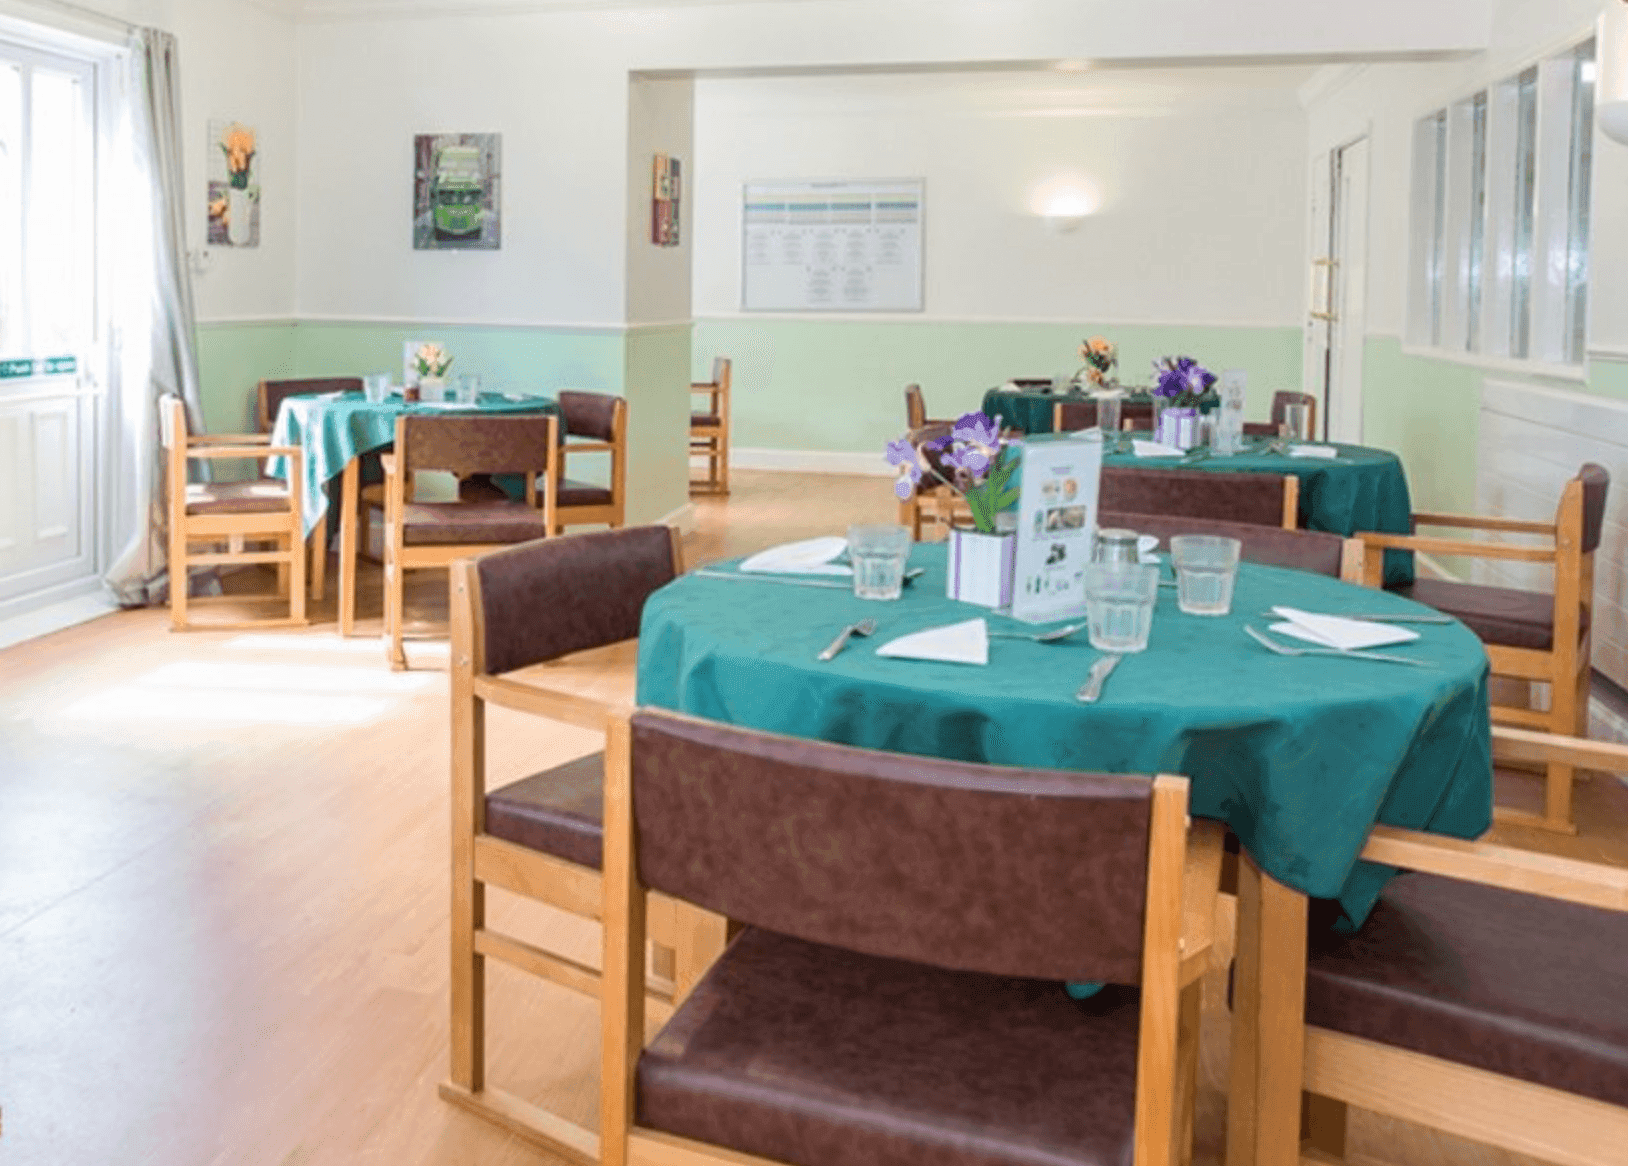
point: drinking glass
(466, 389)
(1115, 545)
(1119, 605)
(877, 555)
(1206, 567)
(1108, 409)
(1297, 422)
(376, 387)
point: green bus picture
(456, 192)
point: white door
(1336, 319)
(50, 407)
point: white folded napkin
(811, 556)
(1008, 387)
(966, 642)
(447, 405)
(1334, 631)
(1313, 451)
(1146, 544)
(1143, 448)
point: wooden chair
(599, 420)
(542, 836)
(1486, 996)
(933, 507)
(709, 429)
(1262, 429)
(1071, 416)
(891, 1003)
(261, 511)
(434, 534)
(1280, 410)
(1530, 636)
(268, 398)
(1263, 499)
(915, 410)
(1304, 550)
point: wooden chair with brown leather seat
(1263, 499)
(1280, 411)
(1485, 996)
(1304, 550)
(932, 506)
(598, 422)
(1529, 635)
(536, 629)
(229, 516)
(890, 1003)
(434, 534)
(268, 398)
(709, 428)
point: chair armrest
(1456, 546)
(588, 447)
(1590, 883)
(565, 707)
(229, 439)
(1481, 522)
(243, 451)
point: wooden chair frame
(282, 529)
(1179, 930)
(1565, 668)
(1342, 1070)
(712, 441)
(915, 410)
(687, 939)
(612, 512)
(400, 558)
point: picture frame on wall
(233, 172)
(457, 204)
(666, 200)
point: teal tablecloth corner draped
(333, 430)
(1300, 757)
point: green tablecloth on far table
(1300, 756)
(332, 429)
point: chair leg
(468, 983)
(723, 465)
(395, 599)
(296, 570)
(319, 560)
(1188, 1020)
(1322, 1125)
(178, 578)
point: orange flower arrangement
(237, 143)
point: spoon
(1050, 637)
(863, 628)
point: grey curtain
(154, 332)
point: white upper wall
(1199, 176)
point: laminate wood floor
(223, 890)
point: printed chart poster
(838, 246)
(1057, 522)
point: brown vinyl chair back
(590, 414)
(1006, 871)
(546, 599)
(1304, 550)
(1596, 484)
(1280, 408)
(481, 444)
(271, 394)
(1263, 499)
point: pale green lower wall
(839, 385)
(658, 400)
(232, 360)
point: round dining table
(1029, 411)
(1300, 756)
(335, 430)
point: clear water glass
(1206, 568)
(1115, 545)
(1297, 422)
(878, 555)
(1119, 605)
(376, 387)
(1108, 409)
(466, 389)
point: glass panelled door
(49, 392)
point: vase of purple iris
(975, 461)
(1181, 390)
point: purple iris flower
(969, 458)
(905, 484)
(901, 453)
(976, 428)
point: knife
(1092, 688)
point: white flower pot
(1178, 427)
(432, 388)
(982, 567)
(239, 209)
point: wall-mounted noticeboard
(844, 245)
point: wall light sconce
(1064, 208)
(1611, 87)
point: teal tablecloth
(1032, 412)
(333, 430)
(1301, 757)
(1361, 489)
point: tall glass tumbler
(1119, 605)
(1108, 411)
(1297, 422)
(878, 555)
(1206, 568)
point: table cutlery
(1092, 688)
(863, 628)
(1353, 654)
(1050, 637)
(1392, 618)
(910, 577)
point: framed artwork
(456, 192)
(666, 198)
(234, 184)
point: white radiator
(1532, 441)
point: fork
(1353, 654)
(1050, 637)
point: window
(1499, 241)
(47, 225)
